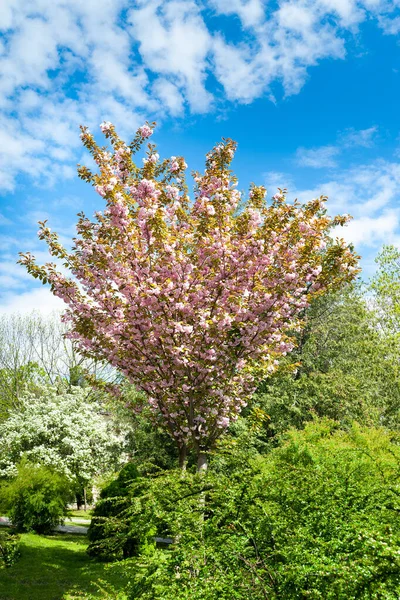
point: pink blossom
(105, 126)
(145, 188)
(145, 131)
(192, 310)
(210, 209)
(172, 192)
(174, 164)
(153, 158)
(100, 189)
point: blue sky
(309, 89)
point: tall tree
(385, 285)
(193, 302)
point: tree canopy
(191, 301)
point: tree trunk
(202, 462)
(182, 457)
(84, 498)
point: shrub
(9, 548)
(109, 533)
(36, 499)
(317, 518)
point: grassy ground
(57, 568)
(81, 514)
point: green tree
(36, 499)
(341, 368)
(385, 286)
(109, 533)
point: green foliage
(108, 534)
(340, 369)
(386, 288)
(9, 548)
(36, 499)
(14, 382)
(316, 518)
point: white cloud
(67, 63)
(371, 194)
(174, 40)
(317, 158)
(276, 179)
(359, 137)
(40, 299)
(169, 94)
(285, 45)
(8, 241)
(371, 231)
(64, 64)
(390, 26)
(250, 12)
(4, 220)
(328, 156)
(243, 77)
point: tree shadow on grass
(57, 567)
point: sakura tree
(193, 300)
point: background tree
(61, 430)
(192, 302)
(341, 368)
(34, 351)
(148, 445)
(385, 285)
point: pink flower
(174, 164)
(210, 209)
(153, 158)
(100, 190)
(223, 422)
(105, 126)
(145, 131)
(277, 196)
(172, 192)
(145, 188)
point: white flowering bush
(62, 430)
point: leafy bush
(109, 533)
(36, 499)
(9, 548)
(317, 518)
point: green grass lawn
(81, 514)
(57, 568)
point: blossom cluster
(59, 429)
(192, 300)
